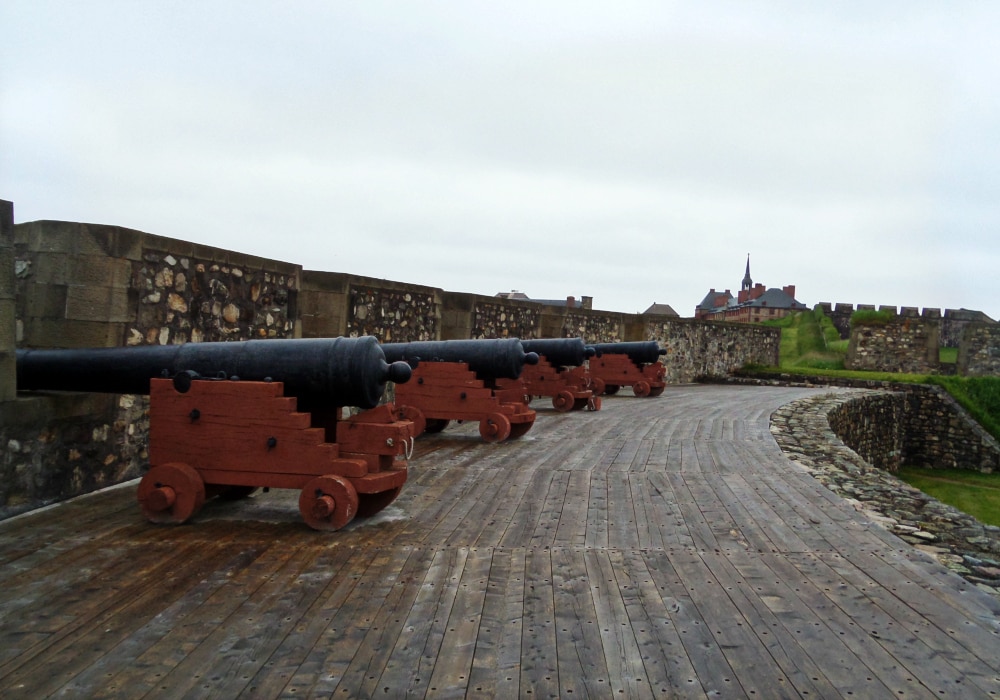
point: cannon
(628, 364)
(561, 373)
(457, 380)
(229, 418)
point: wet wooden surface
(657, 548)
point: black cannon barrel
(502, 358)
(331, 371)
(563, 352)
(643, 353)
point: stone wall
(699, 349)
(803, 431)
(8, 305)
(951, 325)
(873, 426)
(979, 351)
(84, 285)
(505, 319)
(907, 345)
(941, 435)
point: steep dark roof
(708, 303)
(775, 298)
(661, 310)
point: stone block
(52, 268)
(51, 333)
(99, 271)
(100, 304)
(45, 301)
(6, 272)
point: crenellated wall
(951, 325)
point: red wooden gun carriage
(628, 364)
(228, 418)
(457, 380)
(561, 374)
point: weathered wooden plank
(450, 677)
(715, 676)
(538, 665)
(579, 649)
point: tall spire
(747, 282)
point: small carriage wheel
(371, 503)
(328, 502)
(171, 493)
(611, 389)
(563, 401)
(641, 389)
(656, 391)
(494, 427)
(415, 416)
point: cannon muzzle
(562, 352)
(493, 358)
(330, 371)
(642, 353)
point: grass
(971, 492)
(948, 356)
(808, 347)
(809, 341)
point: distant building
(661, 310)
(753, 304)
(571, 302)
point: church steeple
(747, 282)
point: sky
(634, 152)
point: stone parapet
(804, 431)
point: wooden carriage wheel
(563, 401)
(328, 502)
(641, 388)
(494, 427)
(171, 493)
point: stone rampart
(952, 323)
(979, 351)
(85, 285)
(873, 426)
(906, 345)
(803, 431)
(699, 349)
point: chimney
(587, 302)
(571, 302)
(789, 290)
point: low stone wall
(979, 351)
(941, 435)
(699, 349)
(84, 285)
(803, 431)
(904, 345)
(56, 446)
(873, 426)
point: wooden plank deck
(657, 548)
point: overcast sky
(634, 152)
